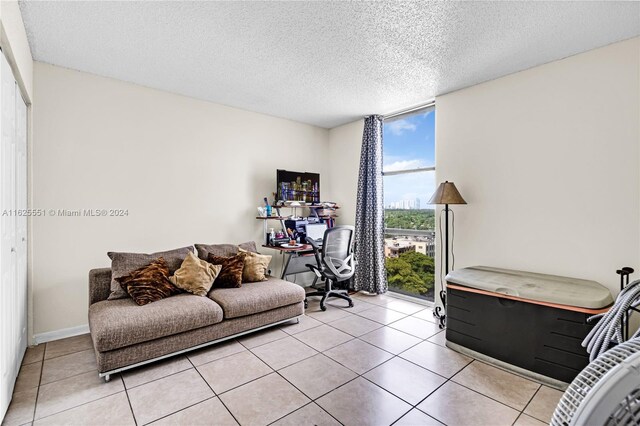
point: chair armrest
(316, 250)
(345, 268)
(313, 243)
(315, 269)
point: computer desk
(296, 259)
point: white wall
(548, 161)
(345, 143)
(188, 171)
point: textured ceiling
(324, 63)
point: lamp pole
(446, 194)
(446, 239)
(441, 315)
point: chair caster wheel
(351, 304)
(324, 308)
(306, 304)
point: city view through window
(409, 182)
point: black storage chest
(532, 321)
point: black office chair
(334, 263)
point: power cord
(443, 245)
(453, 238)
(441, 249)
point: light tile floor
(383, 362)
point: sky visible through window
(409, 143)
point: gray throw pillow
(223, 250)
(124, 263)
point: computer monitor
(315, 231)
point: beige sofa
(126, 335)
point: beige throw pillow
(195, 275)
(255, 266)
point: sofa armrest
(99, 284)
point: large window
(409, 182)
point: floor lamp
(446, 194)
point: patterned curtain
(370, 273)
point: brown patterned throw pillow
(231, 274)
(149, 283)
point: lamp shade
(447, 193)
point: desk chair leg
(339, 294)
(314, 293)
(329, 292)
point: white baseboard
(60, 334)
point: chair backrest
(337, 251)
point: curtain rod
(412, 109)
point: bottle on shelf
(267, 206)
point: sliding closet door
(13, 285)
(21, 224)
(8, 286)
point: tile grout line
(35, 404)
(266, 343)
(33, 362)
(214, 360)
(532, 398)
(244, 383)
(154, 380)
(182, 409)
(300, 408)
(311, 400)
(76, 406)
(126, 393)
(67, 377)
(215, 394)
(69, 353)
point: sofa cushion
(118, 323)
(224, 250)
(257, 297)
(123, 263)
